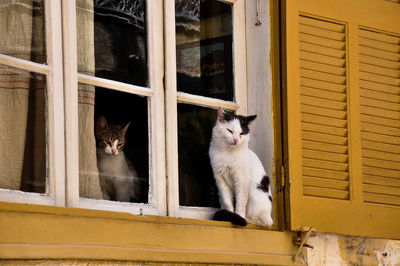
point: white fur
(115, 174)
(238, 171)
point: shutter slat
(318, 84)
(325, 193)
(323, 173)
(380, 172)
(378, 146)
(380, 121)
(379, 45)
(384, 190)
(323, 112)
(323, 59)
(379, 79)
(374, 128)
(325, 183)
(379, 87)
(337, 36)
(318, 49)
(394, 73)
(336, 131)
(306, 38)
(310, 65)
(312, 145)
(382, 199)
(383, 181)
(312, 118)
(380, 138)
(380, 112)
(335, 79)
(379, 36)
(324, 138)
(340, 97)
(371, 94)
(381, 164)
(321, 164)
(326, 26)
(379, 62)
(380, 104)
(316, 101)
(329, 156)
(379, 53)
(387, 156)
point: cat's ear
(221, 115)
(248, 119)
(251, 118)
(101, 123)
(125, 128)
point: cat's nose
(114, 150)
(235, 140)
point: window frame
(53, 71)
(173, 97)
(155, 96)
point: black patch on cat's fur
(228, 116)
(227, 216)
(264, 184)
(245, 122)
(270, 198)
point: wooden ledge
(48, 232)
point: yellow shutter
(343, 116)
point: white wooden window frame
(53, 70)
(173, 97)
(155, 95)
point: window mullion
(55, 105)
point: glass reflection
(196, 181)
(204, 48)
(118, 33)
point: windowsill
(48, 232)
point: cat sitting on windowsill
(118, 178)
(244, 187)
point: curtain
(22, 98)
(89, 184)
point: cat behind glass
(244, 187)
(118, 178)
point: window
(111, 73)
(32, 123)
(205, 69)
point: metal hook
(259, 22)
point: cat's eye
(107, 142)
(230, 131)
(120, 145)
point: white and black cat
(244, 187)
(118, 178)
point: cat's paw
(228, 216)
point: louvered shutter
(343, 116)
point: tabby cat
(118, 178)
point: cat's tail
(228, 216)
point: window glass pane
(204, 48)
(112, 40)
(22, 29)
(196, 181)
(113, 145)
(22, 130)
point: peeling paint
(346, 250)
